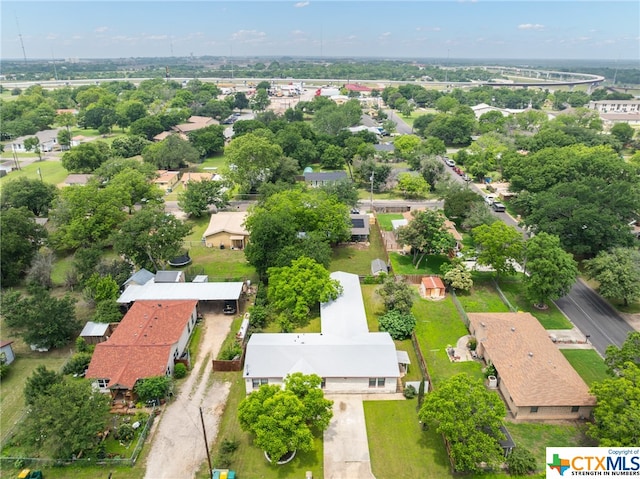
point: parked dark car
(229, 307)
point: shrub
(153, 388)
(125, 432)
(81, 345)
(179, 371)
(399, 325)
(4, 370)
(490, 370)
(231, 351)
(259, 316)
(472, 344)
(78, 364)
(409, 392)
(229, 446)
(521, 462)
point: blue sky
(565, 29)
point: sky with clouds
(563, 29)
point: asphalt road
(594, 317)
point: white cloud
(51, 36)
(386, 34)
(101, 29)
(297, 32)
(530, 26)
(156, 37)
(248, 36)
(301, 4)
(351, 37)
(428, 29)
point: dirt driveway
(177, 443)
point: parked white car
(489, 199)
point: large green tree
(616, 357)
(294, 290)
(208, 140)
(150, 237)
(281, 419)
(616, 417)
(286, 219)
(198, 196)
(32, 194)
(20, 239)
(85, 215)
(469, 417)
(552, 271)
(171, 153)
(86, 157)
(252, 160)
(40, 383)
(500, 246)
(397, 294)
(42, 319)
(618, 274)
(67, 420)
(426, 234)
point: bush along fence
(21, 462)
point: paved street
(594, 317)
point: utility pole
(372, 175)
(206, 444)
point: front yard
(587, 363)
(550, 318)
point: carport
(210, 296)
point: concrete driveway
(346, 450)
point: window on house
(102, 383)
(534, 408)
(323, 383)
(575, 408)
(257, 382)
(376, 382)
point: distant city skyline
(565, 29)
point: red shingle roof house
(432, 287)
(534, 377)
(146, 343)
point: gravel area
(177, 442)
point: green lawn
(398, 446)
(384, 220)
(52, 172)
(483, 298)
(248, 461)
(430, 264)
(536, 437)
(219, 264)
(438, 326)
(217, 161)
(551, 318)
(356, 258)
(12, 397)
(588, 363)
(198, 227)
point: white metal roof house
(347, 357)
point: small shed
(378, 267)
(432, 287)
(7, 355)
(94, 333)
(140, 277)
(403, 361)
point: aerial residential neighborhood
(319, 264)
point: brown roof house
(432, 287)
(535, 379)
(146, 343)
(167, 180)
(195, 123)
(226, 230)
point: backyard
(402, 264)
(356, 257)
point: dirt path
(177, 447)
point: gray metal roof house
(347, 357)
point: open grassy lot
(356, 258)
(249, 461)
(537, 436)
(384, 220)
(52, 172)
(438, 326)
(483, 298)
(430, 264)
(588, 363)
(220, 264)
(217, 161)
(397, 444)
(550, 318)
